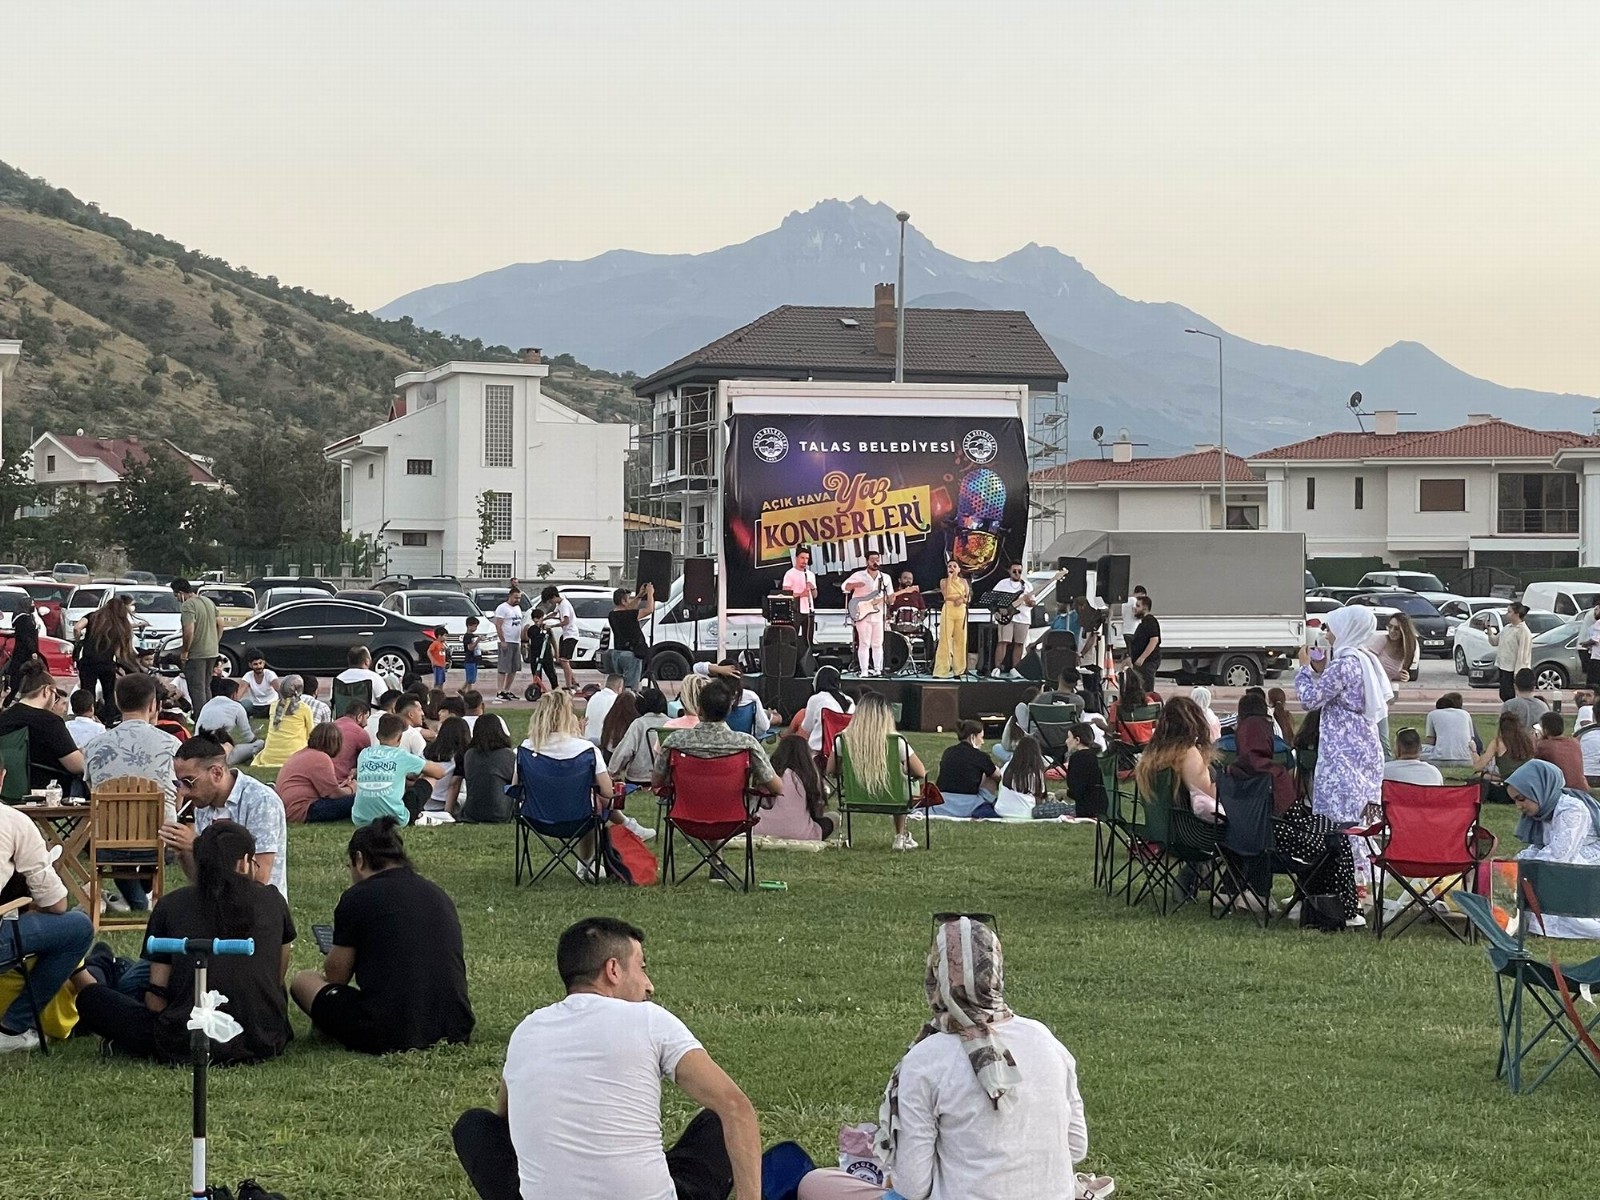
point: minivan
(1567, 599)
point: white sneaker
(1015, 674)
(994, 673)
(643, 833)
(28, 1039)
(1356, 922)
(116, 902)
(1092, 1187)
(903, 841)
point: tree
(183, 381)
(156, 514)
(17, 491)
(15, 284)
(485, 527)
(220, 316)
(281, 491)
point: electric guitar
(862, 605)
(1004, 614)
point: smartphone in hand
(324, 936)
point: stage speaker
(1111, 577)
(699, 582)
(941, 707)
(780, 656)
(655, 566)
(1055, 661)
(1031, 666)
(1076, 581)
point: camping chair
(1134, 729)
(743, 718)
(833, 724)
(710, 802)
(1050, 724)
(12, 957)
(556, 805)
(1429, 842)
(346, 691)
(125, 816)
(16, 755)
(1245, 844)
(1165, 835)
(895, 798)
(1553, 889)
(1111, 832)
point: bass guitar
(1004, 614)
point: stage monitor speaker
(1057, 662)
(1031, 666)
(655, 567)
(1076, 581)
(699, 581)
(780, 657)
(941, 707)
(1111, 577)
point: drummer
(908, 595)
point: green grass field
(1216, 1059)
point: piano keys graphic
(850, 555)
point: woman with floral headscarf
(1560, 824)
(985, 1104)
(289, 723)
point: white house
(96, 464)
(1488, 493)
(466, 434)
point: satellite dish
(1099, 432)
(1355, 399)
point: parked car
(155, 610)
(1321, 606)
(1566, 599)
(56, 653)
(390, 584)
(1557, 658)
(13, 600)
(310, 582)
(1471, 638)
(450, 609)
(145, 577)
(70, 572)
(82, 601)
(1432, 634)
(360, 596)
(272, 597)
(49, 596)
(490, 596)
(1462, 607)
(234, 602)
(1341, 594)
(14, 569)
(314, 637)
(1410, 581)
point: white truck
(1231, 604)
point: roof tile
(1198, 467)
(114, 451)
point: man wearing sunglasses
(219, 792)
(1011, 636)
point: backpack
(628, 860)
(782, 1168)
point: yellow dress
(951, 656)
(292, 734)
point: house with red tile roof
(96, 464)
(1485, 493)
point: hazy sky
(1332, 176)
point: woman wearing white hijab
(1351, 691)
(1560, 824)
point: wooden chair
(125, 816)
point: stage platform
(922, 702)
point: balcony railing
(1538, 520)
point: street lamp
(1222, 454)
(900, 304)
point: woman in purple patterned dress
(1352, 692)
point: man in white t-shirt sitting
(599, 707)
(1407, 766)
(579, 1114)
(260, 686)
(360, 671)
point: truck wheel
(1461, 661)
(668, 666)
(1240, 671)
(1549, 677)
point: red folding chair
(709, 802)
(833, 724)
(1429, 841)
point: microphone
(980, 507)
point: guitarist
(1011, 624)
(867, 591)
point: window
(572, 548)
(419, 466)
(413, 539)
(494, 570)
(370, 471)
(1244, 516)
(500, 516)
(1546, 502)
(1311, 492)
(50, 463)
(1442, 495)
(497, 427)
(1361, 492)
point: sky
(1332, 176)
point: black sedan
(1433, 631)
(314, 637)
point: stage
(922, 703)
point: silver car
(1558, 660)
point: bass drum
(896, 652)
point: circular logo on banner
(772, 443)
(979, 445)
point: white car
(1472, 635)
(156, 615)
(450, 609)
(85, 598)
(13, 600)
(591, 603)
(1462, 608)
(1402, 581)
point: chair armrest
(15, 906)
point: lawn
(1216, 1059)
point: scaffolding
(1048, 447)
(672, 475)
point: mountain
(1130, 362)
(127, 332)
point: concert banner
(921, 490)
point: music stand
(992, 599)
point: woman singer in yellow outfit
(951, 657)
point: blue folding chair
(743, 718)
(555, 803)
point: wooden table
(67, 826)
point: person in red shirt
(1564, 752)
(439, 655)
(308, 783)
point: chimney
(1122, 450)
(1388, 422)
(1204, 447)
(397, 406)
(532, 355)
(883, 319)
(1480, 418)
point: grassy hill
(128, 332)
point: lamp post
(1222, 453)
(900, 304)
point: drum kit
(908, 642)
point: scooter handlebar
(211, 946)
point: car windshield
(230, 597)
(87, 597)
(595, 607)
(489, 599)
(1557, 636)
(66, 568)
(12, 602)
(1422, 583)
(441, 606)
(154, 600)
(1544, 622)
(1412, 606)
(47, 591)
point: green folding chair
(14, 753)
(345, 692)
(1167, 837)
(897, 796)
